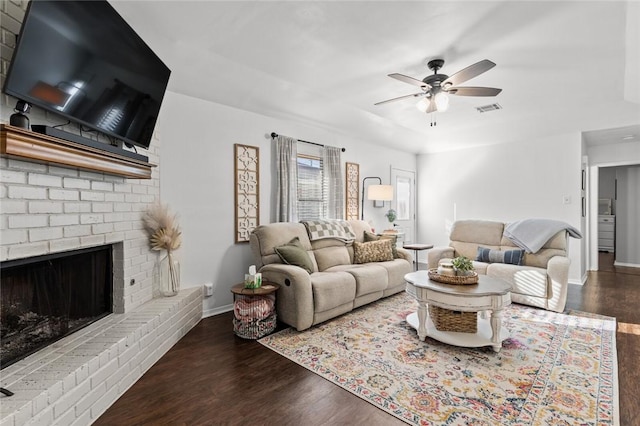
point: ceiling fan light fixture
(442, 101)
(423, 104)
(437, 87)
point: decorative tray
(450, 279)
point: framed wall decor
(352, 192)
(247, 190)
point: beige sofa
(335, 285)
(541, 280)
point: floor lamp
(375, 193)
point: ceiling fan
(436, 87)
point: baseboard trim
(582, 281)
(626, 265)
(217, 311)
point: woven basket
(451, 279)
(447, 320)
(254, 329)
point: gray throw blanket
(326, 228)
(532, 234)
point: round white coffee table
(489, 295)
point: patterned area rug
(554, 369)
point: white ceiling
(563, 66)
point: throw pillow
(512, 257)
(373, 251)
(294, 254)
(370, 236)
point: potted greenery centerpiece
(462, 265)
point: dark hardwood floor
(212, 377)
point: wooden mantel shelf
(22, 143)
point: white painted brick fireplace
(46, 208)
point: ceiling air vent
(487, 108)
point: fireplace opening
(46, 298)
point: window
(312, 200)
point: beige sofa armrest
(295, 297)
(435, 254)
(558, 279)
(404, 254)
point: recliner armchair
(540, 281)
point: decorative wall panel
(247, 190)
(352, 191)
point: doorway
(614, 190)
(404, 202)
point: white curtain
(287, 179)
(332, 171)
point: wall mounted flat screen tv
(81, 60)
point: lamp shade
(380, 192)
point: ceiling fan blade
(410, 80)
(414, 95)
(469, 72)
(473, 91)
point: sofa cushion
(479, 232)
(524, 280)
(294, 254)
(359, 226)
(556, 246)
(469, 250)
(540, 258)
(480, 267)
(513, 257)
(329, 255)
(396, 270)
(265, 238)
(332, 289)
(370, 236)
(370, 278)
(373, 251)
(558, 241)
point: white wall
(505, 182)
(614, 154)
(196, 180)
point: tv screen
(81, 60)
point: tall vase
(169, 275)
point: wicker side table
(254, 310)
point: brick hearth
(73, 381)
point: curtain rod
(275, 135)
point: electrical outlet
(208, 289)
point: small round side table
(254, 310)
(417, 247)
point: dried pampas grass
(162, 227)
